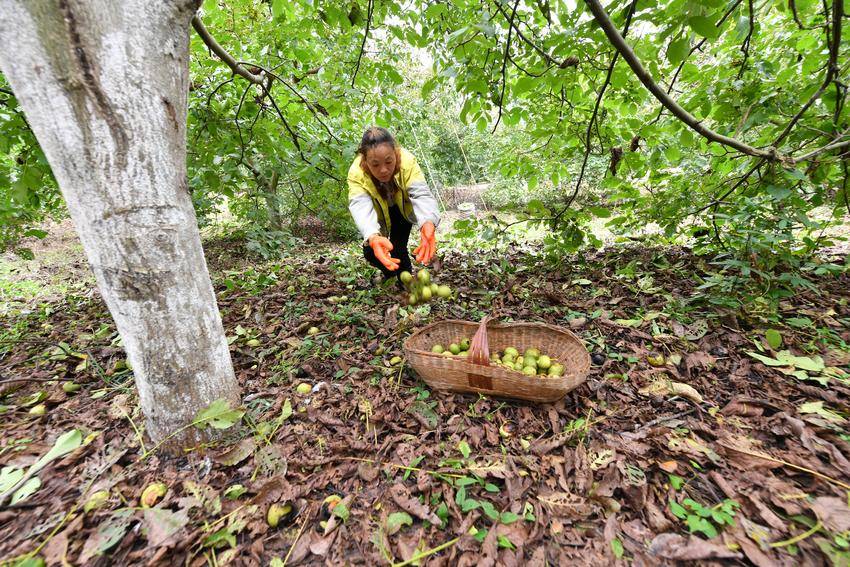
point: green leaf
(464, 449)
(678, 50)
(697, 524)
(774, 338)
(818, 408)
(220, 538)
(286, 411)
(341, 511)
(26, 490)
(9, 477)
(676, 481)
(428, 87)
(396, 520)
(218, 415)
(600, 212)
(37, 233)
(766, 359)
(278, 8)
(479, 535)
(704, 26)
(778, 193)
(64, 444)
(504, 542)
(508, 517)
(678, 510)
(109, 533)
(617, 548)
(524, 84)
(490, 510)
(235, 491)
(424, 410)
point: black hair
(373, 137)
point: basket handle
(479, 350)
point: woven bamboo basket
(475, 374)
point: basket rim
(407, 348)
(556, 328)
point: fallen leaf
(408, 503)
(108, 534)
(238, 453)
(160, 524)
(566, 504)
(833, 513)
(664, 387)
(676, 547)
(396, 520)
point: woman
(387, 193)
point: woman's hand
(382, 246)
(427, 244)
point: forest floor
(751, 465)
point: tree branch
(306, 102)
(731, 190)
(589, 133)
(745, 47)
(363, 45)
(844, 186)
(831, 69)
(793, 5)
(210, 42)
(505, 57)
(570, 61)
(621, 46)
(824, 149)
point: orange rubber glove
(382, 246)
(427, 244)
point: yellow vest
(359, 182)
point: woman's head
(379, 154)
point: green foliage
(700, 519)
(28, 192)
(478, 101)
(218, 415)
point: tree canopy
(719, 120)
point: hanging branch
(741, 180)
(699, 45)
(831, 68)
(363, 45)
(306, 102)
(793, 5)
(570, 61)
(844, 185)
(623, 48)
(214, 46)
(505, 57)
(589, 133)
(264, 80)
(238, 127)
(745, 47)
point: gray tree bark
(104, 86)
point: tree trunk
(275, 218)
(104, 86)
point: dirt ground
(697, 436)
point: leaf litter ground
(706, 453)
